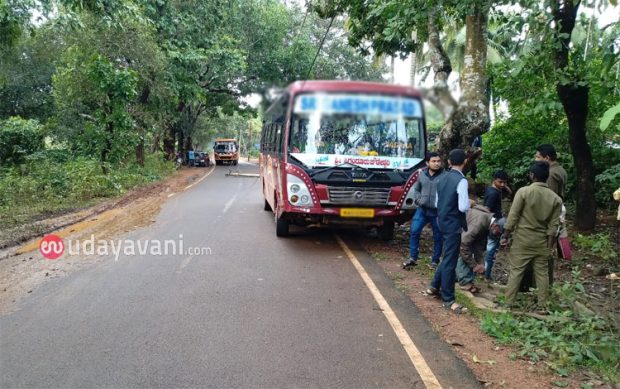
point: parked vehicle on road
(342, 153)
(226, 151)
(202, 159)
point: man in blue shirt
(452, 204)
(191, 156)
(493, 201)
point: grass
(398, 278)
(567, 341)
(42, 189)
(379, 256)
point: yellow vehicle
(226, 150)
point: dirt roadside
(495, 365)
(22, 267)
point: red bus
(342, 153)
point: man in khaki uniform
(557, 174)
(534, 217)
(557, 183)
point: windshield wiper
(341, 165)
(298, 160)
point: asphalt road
(250, 310)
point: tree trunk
(181, 141)
(155, 147)
(169, 140)
(575, 102)
(574, 99)
(140, 151)
(439, 95)
(471, 117)
(107, 147)
(143, 100)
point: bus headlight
(298, 192)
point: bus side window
(268, 138)
(276, 137)
(264, 137)
(280, 139)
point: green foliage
(607, 182)
(93, 96)
(18, 139)
(598, 244)
(566, 339)
(26, 75)
(56, 181)
(526, 119)
(609, 116)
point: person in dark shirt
(493, 201)
(452, 206)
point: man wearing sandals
(425, 197)
(473, 242)
(452, 204)
(534, 217)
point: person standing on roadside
(425, 198)
(191, 156)
(557, 174)
(557, 183)
(534, 217)
(493, 201)
(452, 205)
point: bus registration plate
(357, 212)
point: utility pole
(250, 138)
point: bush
(606, 183)
(51, 181)
(18, 139)
(597, 244)
(566, 339)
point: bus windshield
(225, 147)
(372, 131)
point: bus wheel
(386, 231)
(267, 207)
(234, 163)
(282, 227)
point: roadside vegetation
(572, 337)
(577, 341)
(98, 97)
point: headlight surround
(298, 192)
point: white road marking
(185, 262)
(229, 204)
(202, 178)
(419, 363)
(171, 194)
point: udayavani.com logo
(52, 247)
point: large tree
(396, 27)
(568, 57)
(573, 93)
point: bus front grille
(339, 195)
